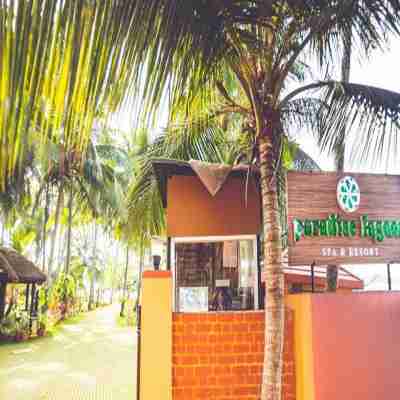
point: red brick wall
(219, 356)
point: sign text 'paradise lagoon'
(335, 226)
(338, 218)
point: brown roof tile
(17, 268)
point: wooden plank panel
(312, 196)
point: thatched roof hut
(15, 268)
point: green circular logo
(348, 194)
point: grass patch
(51, 331)
(124, 322)
(73, 320)
(57, 328)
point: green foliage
(23, 234)
(42, 298)
(64, 288)
(43, 321)
(8, 326)
(129, 318)
(288, 153)
(17, 322)
(236, 61)
(63, 64)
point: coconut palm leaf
(301, 113)
(62, 64)
(186, 45)
(364, 115)
(145, 205)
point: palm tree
(207, 143)
(189, 47)
(63, 65)
(339, 151)
(92, 188)
(125, 284)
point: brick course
(219, 356)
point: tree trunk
(98, 297)
(59, 207)
(331, 278)
(112, 283)
(70, 204)
(122, 312)
(91, 292)
(274, 279)
(44, 234)
(92, 281)
(38, 249)
(332, 271)
(60, 256)
(345, 77)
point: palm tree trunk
(332, 271)
(61, 251)
(124, 290)
(91, 292)
(59, 207)
(92, 280)
(44, 234)
(113, 269)
(274, 282)
(38, 248)
(112, 284)
(70, 204)
(332, 278)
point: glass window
(215, 276)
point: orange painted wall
(156, 336)
(219, 356)
(192, 211)
(356, 346)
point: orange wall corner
(303, 345)
(156, 336)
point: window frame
(215, 239)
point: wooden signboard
(343, 218)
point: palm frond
(301, 113)
(326, 24)
(63, 63)
(199, 142)
(304, 162)
(365, 115)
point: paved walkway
(93, 359)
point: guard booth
(202, 315)
(213, 236)
(213, 229)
